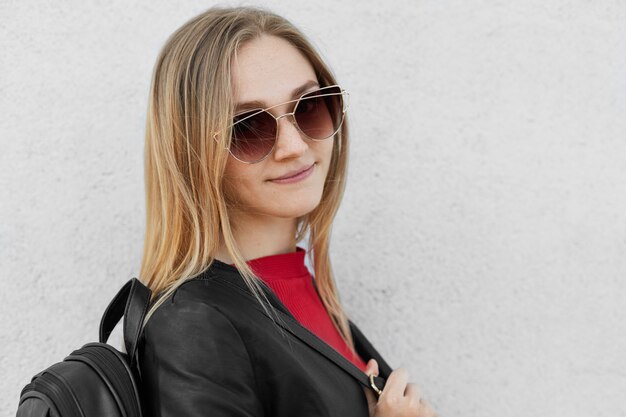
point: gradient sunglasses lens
(253, 136)
(318, 114)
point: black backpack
(97, 379)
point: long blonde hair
(186, 211)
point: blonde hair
(186, 211)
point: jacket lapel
(363, 346)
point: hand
(398, 399)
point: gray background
(481, 241)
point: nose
(289, 140)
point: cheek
(234, 179)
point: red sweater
(287, 275)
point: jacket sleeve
(193, 363)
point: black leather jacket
(210, 350)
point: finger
(426, 410)
(414, 395)
(372, 367)
(412, 391)
(396, 383)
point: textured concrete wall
(481, 241)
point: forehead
(268, 69)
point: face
(268, 69)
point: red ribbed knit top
(287, 275)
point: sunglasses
(317, 114)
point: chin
(297, 207)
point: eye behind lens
(253, 138)
(319, 114)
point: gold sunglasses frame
(345, 101)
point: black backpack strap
(322, 347)
(362, 344)
(132, 302)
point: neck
(259, 236)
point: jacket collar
(225, 272)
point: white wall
(481, 240)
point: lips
(294, 172)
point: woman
(246, 152)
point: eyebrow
(261, 104)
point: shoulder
(215, 299)
(193, 305)
(189, 343)
(190, 327)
